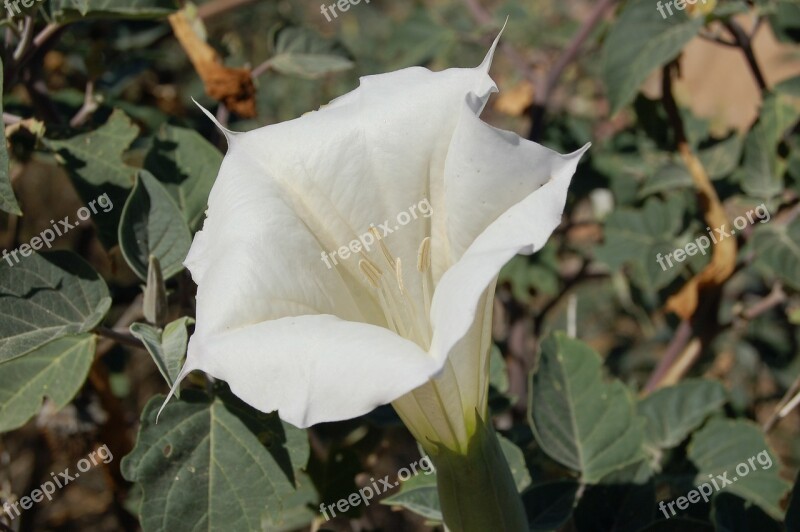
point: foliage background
(97, 99)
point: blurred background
(693, 120)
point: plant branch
(745, 42)
(119, 336)
(217, 7)
(671, 355)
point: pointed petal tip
(487, 61)
(225, 131)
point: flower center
(402, 314)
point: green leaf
(738, 448)
(56, 370)
(790, 87)
(211, 464)
(763, 169)
(777, 251)
(69, 10)
(673, 413)
(45, 297)
(418, 495)
(96, 157)
(152, 224)
(785, 20)
(94, 163)
(516, 462)
(638, 236)
(188, 165)
(722, 159)
(549, 505)
(670, 176)
(8, 202)
(301, 52)
(578, 419)
(639, 42)
(167, 347)
(498, 372)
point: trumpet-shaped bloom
(411, 312)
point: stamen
(384, 249)
(398, 270)
(424, 255)
(372, 273)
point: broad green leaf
(549, 505)
(45, 297)
(8, 202)
(669, 177)
(418, 495)
(785, 20)
(152, 224)
(763, 169)
(56, 370)
(673, 413)
(69, 10)
(498, 372)
(638, 236)
(789, 86)
(188, 165)
(722, 159)
(96, 157)
(737, 450)
(94, 163)
(516, 462)
(301, 52)
(578, 419)
(167, 347)
(211, 464)
(640, 41)
(777, 251)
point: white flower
(287, 333)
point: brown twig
(132, 314)
(671, 355)
(776, 297)
(217, 7)
(119, 337)
(745, 42)
(89, 106)
(778, 414)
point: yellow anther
(424, 255)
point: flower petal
(312, 369)
(487, 173)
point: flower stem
(476, 489)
